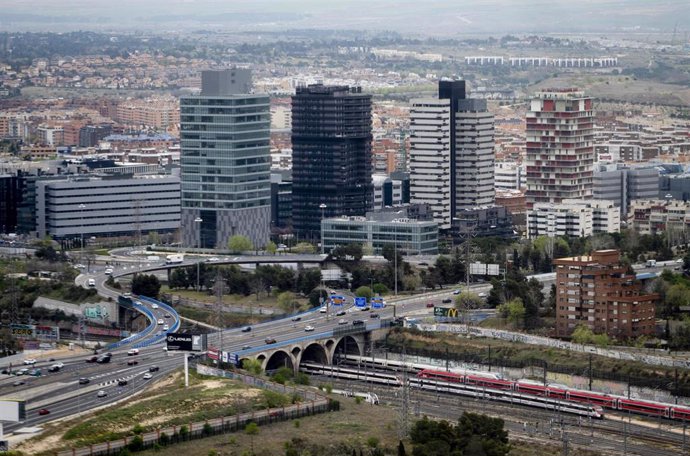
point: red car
(43, 412)
(430, 304)
(132, 362)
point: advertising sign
(360, 302)
(185, 342)
(445, 312)
(478, 268)
(212, 353)
(492, 270)
(12, 410)
(22, 331)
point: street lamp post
(323, 207)
(198, 221)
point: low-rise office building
(378, 229)
(107, 206)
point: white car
(29, 361)
(482, 295)
(154, 306)
(456, 292)
(342, 321)
(160, 321)
(133, 351)
(109, 271)
(59, 365)
(166, 327)
(147, 376)
(309, 328)
(323, 310)
(101, 393)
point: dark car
(132, 362)
(357, 322)
(154, 369)
(122, 382)
(447, 301)
(298, 318)
(430, 304)
(246, 347)
(43, 411)
(54, 369)
(84, 381)
(373, 315)
(340, 313)
(270, 340)
(92, 359)
(365, 309)
(246, 329)
(18, 383)
(103, 359)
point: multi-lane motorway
(62, 394)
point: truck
(174, 259)
(651, 263)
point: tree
(287, 301)
(467, 301)
(251, 430)
(401, 448)
(364, 292)
(308, 279)
(513, 311)
(271, 247)
(304, 248)
(253, 366)
(239, 243)
(582, 335)
(146, 285)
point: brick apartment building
(598, 291)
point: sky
(409, 17)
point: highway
(62, 395)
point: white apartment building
(387, 191)
(573, 217)
(474, 149)
(430, 151)
(508, 176)
(655, 216)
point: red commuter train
(650, 408)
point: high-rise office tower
(451, 152)
(560, 146)
(226, 186)
(331, 155)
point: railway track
(613, 437)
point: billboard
(492, 270)
(478, 268)
(12, 410)
(22, 331)
(212, 353)
(45, 333)
(360, 302)
(447, 312)
(186, 342)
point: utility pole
(219, 313)
(403, 418)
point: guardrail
(137, 336)
(160, 337)
(314, 403)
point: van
(651, 263)
(92, 283)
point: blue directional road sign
(360, 302)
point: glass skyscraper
(224, 135)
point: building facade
(451, 152)
(331, 156)
(659, 216)
(430, 157)
(474, 155)
(574, 218)
(117, 206)
(621, 184)
(598, 292)
(508, 176)
(225, 161)
(410, 236)
(559, 146)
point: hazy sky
(437, 17)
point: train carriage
(645, 407)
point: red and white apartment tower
(560, 146)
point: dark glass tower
(331, 155)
